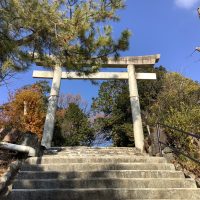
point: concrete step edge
(104, 173)
(99, 179)
(88, 161)
(104, 182)
(121, 170)
(97, 163)
(106, 193)
(97, 166)
(114, 189)
(108, 156)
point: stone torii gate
(131, 63)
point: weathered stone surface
(128, 183)
(101, 174)
(92, 159)
(96, 76)
(12, 136)
(170, 157)
(105, 194)
(6, 178)
(17, 137)
(154, 140)
(82, 173)
(31, 140)
(198, 182)
(167, 150)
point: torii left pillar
(135, 108)
(52, 107)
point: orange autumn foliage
(26, 110)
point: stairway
(83, 173)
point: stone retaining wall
(7, 177)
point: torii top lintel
(122, 62)
(138, 61)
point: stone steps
(97, 166)
(105, 193)
(73, 151)
(92, 159)
(101, 174)
(82, 173)
(104, 183)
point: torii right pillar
(132, 64)
(135, 108)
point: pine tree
(76, 32)
(75, 128)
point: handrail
(20, 148)
(174, 128)
(158, 125)
(180, 152)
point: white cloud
(187, 4)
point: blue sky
(170, 28)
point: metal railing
(173, 148)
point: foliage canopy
(73, 127)
(71, 33)
(114, 102)
(26, 109)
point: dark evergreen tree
(74, 129)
